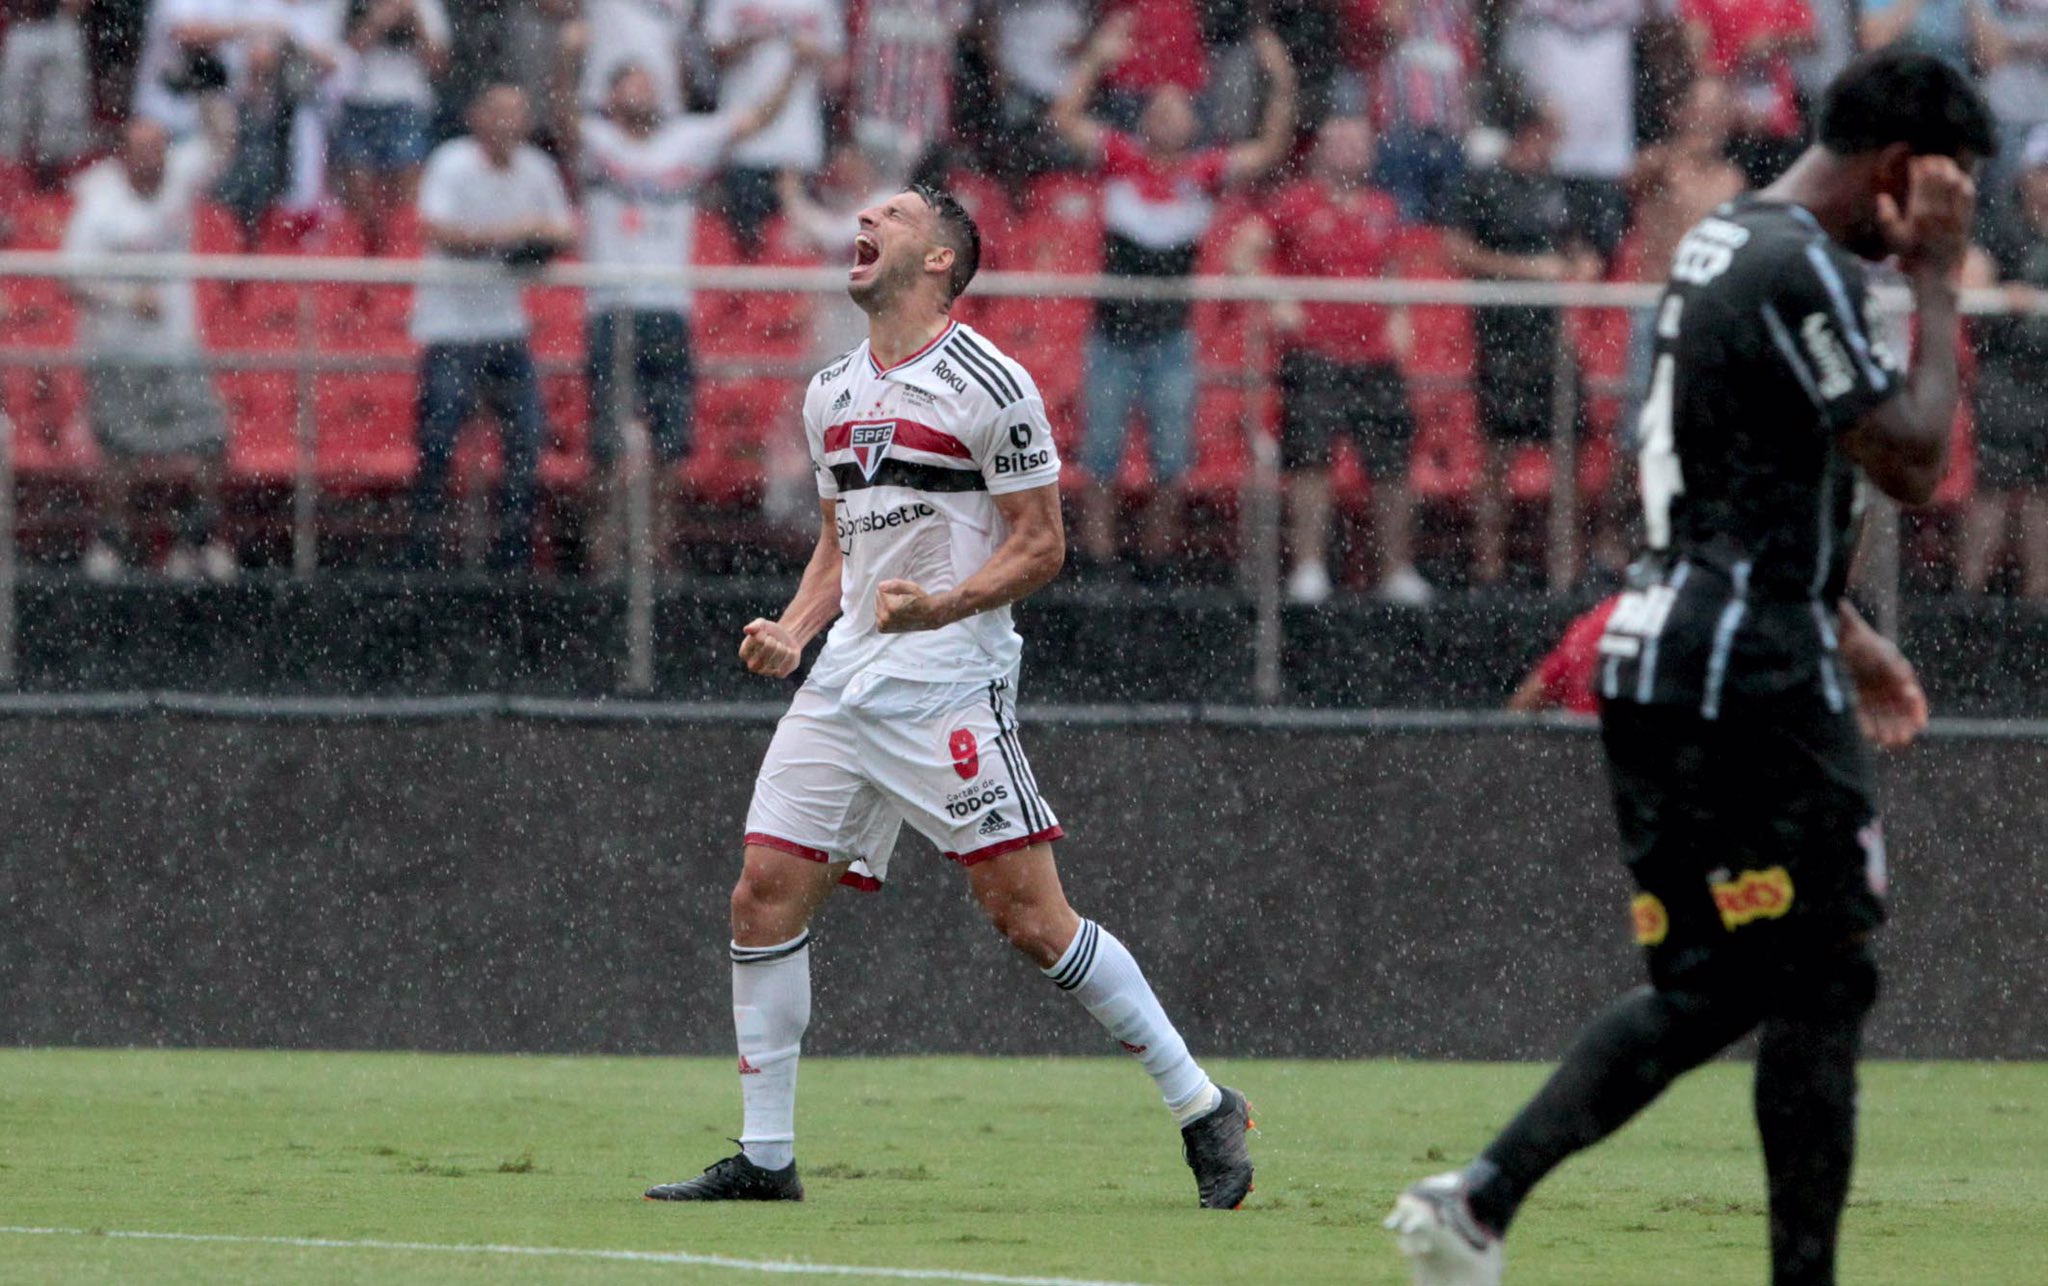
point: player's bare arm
(1903, 444)
(773, 648)
(1021, 565)
(1890, 705)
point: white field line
(784, 1267)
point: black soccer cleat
(734, 1179)
(1214, 1146)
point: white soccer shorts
(848, 766)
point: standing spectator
(1513, 223)
(1164, 51)
(1158, 197)
(1421, 102)
(290, 51)
(542, 46)
(2012, 47)
(387, 110)
(189, 62)
(755, 43)
(46, 90)
(1944, 28)
(1578, 56)
(649, 34)
(2012, 385)
(1340, 371)
(903, 55)
(1030, 46)
(489, 196)
(149, 393)
(1751, 45)
(642, 170)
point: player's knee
(1029, 928)
(758, 903)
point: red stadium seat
(48, 410)
(366, 430)
(262, 410)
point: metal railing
(1261, 500)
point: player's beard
(880, 292)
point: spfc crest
(870, 442)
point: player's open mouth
(865, 252)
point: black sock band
(766, 955)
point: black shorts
(663, 377)
(2012, 450)
(1324, 398)
(1753, 838)
(1514, 391)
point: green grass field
(1010, 1167)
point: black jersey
(1765, 353)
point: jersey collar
(877, 368)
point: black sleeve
(1815, 311)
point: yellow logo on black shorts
(1753, 895)
(1651, 922)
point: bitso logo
(1751, 896)
(870, 442)
(1020, 436)
(966, 754)
(1651, 920)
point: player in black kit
(1734, 672)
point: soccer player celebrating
(939, 507)
(1734, 672)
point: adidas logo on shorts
(993, 824)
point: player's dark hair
(958, 232)
(1897, 95)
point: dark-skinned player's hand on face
(1932, 233)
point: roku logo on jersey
(900, 516)
(947, 373)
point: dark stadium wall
(547, 884)
(378, 636)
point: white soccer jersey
(915, 455)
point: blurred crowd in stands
(1507, 140)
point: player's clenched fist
(902, 606)
(1932, 233)
(768, 649)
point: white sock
(771, 1006)
(1108, 983)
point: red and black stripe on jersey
(895, 471)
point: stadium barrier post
(7, 551)
(632, 434)
(1564, 463)
(305, 446)
(1261, 516)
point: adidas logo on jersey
(844, 400)
(993, 824)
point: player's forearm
(816, 602)
(1933, 389)
(1020, 567)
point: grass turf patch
(1014, 1166)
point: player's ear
(939, 259)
